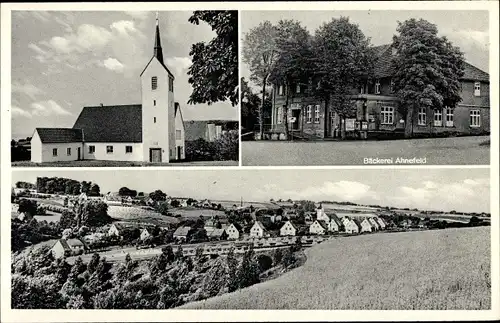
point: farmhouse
(112, 199)
(334, 224)
(318, 227)
(381, 223)
(233, 231)
(152, 131)
(352, 226)
(288, 229)
(117, 229)
(181, 233)
(68, 247)
(374, 224)
(366, 226)
(375, 107)
(216, 234)
(258, 230)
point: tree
(85, 187)
(125, 191)
(248, 271)
(214, 70)
(158, 195)
(293, 65)
(28, 207)
(427, 69)
(92, 214)
(175, 203)
(353, 63)
(260, 53)
(249, 106)
(95, 190)
(162, 208)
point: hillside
(445, 269)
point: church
(152, 131)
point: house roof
(59, 135)
(68, 244)
(293, 225)
(383, 65)
(356, 221)
(335, 218)
(216, 233)
(182, 231)
(259, 224)
(237, 226)
(114, 123)
(322, 223)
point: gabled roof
(68, 244)
(293, 225)
(60, 135)
(334, 217)
(383, 65)
(322, 223)
(475, 74)
(356, 221)
(113, 123)
(182, 231)
(161, 63)
(216, 232)
(259, 224)
(236, 225)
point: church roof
(60, 135)
(116, 123)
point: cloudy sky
(466, 29)
(63, 60)
(430, 189)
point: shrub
(199, 150)
(227, 146)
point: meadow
(430, 270)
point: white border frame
(173, 315)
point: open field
(438, 269)
(108, 163)
(188, 212)
(438, 151)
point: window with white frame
(68, 151)
(91, 149)
(387, 115)
(109, 149)
(475, 118)
(477, 89)
(309, 114)
(449, 116)
(377, 87)
(154, 82)
(280, 114)
(280, 90)
(128, 149)
(316, 113)
(438, 118)
(54, 152)
(422, 117)
(297, 89)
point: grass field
(445, 269)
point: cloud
(449, 196)
(339, 191)
(179, 64)
(113, 64)
(18, 112)
(27, 89)
(48, 108)
(138, 14)
(124, 27)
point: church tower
(158, 110)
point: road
(436, 151)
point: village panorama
(76, 247)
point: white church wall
(36, 148)
(62, 153)
(180, 142)
(119, 151)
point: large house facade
(152, 131)
(376, 107)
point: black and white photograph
(251, 239)
(135, 88)
(365, 87)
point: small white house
(258, 230)
(334, 224)
(366, 226)
(181, 233)
(381, 223)
(68, 247)
(145, 234)
(233, 232)
(374, 224)
(318, 227)
(352, 226)
(288, 229)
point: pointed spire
(158, 53)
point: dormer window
(154, 83)
(477, 89)
(377, 87)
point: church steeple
(158, 53)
